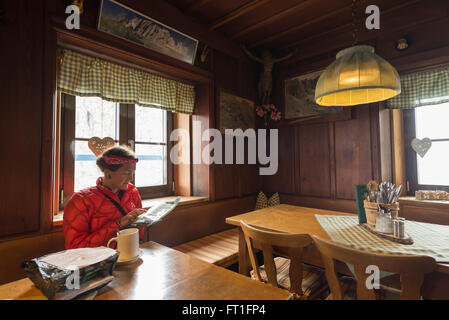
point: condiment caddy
(388, 227)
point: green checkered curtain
(422, 89)
(85, 76)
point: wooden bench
(220, 248)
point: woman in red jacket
(93, 215)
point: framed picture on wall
(125, 23)
(235, 112)
(300, 98)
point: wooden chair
(305, 282)
(410, 268)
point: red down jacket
(90, 219)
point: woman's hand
(131, 217)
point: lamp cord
(354, 24)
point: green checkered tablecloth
(86, 76)
(429, 239)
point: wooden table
(301, 220)
(164, 273)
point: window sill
(184, 201)
(441, 204)
(58, 219)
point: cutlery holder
(372, 207)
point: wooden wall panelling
(21, 59)
(314, 160)
(250, 180)
(376, 164)
(385, 143)
(13, 253)
(239, 79)
(320, 203)
(353, 152)
(203, 183)
(332, 163)
(284, 180)
(226, 72)
(424, 211)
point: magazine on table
(157, 212)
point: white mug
(127, 244)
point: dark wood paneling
(320, 203)
(21, 59)
(424, 213)
(314, 160)
(226, 179)
(239, 79)
(284, 180)
(250, 180)
(17, 251)
(353, 153)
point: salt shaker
(384, 222)
(399, 227)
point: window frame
(411, 163)
(126, 137)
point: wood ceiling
(281, 25)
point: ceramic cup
(127, 244)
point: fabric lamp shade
(358, 76)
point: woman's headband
(114, 160)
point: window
(429, 172)
(143, 129)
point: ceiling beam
(195, 5)
(299, 27)
(320, 19)
(348, 26)
(335, 38)
(271, 19)
(247, 7)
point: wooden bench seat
(220, 248)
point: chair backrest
(411, 269)
(293, 244)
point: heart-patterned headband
(113, 160)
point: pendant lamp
(358, 76)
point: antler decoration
(98, 146)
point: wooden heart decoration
(421, 147)
(98, 146)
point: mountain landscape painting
(123, 22)
(300, 97)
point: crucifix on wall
(265, 81)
